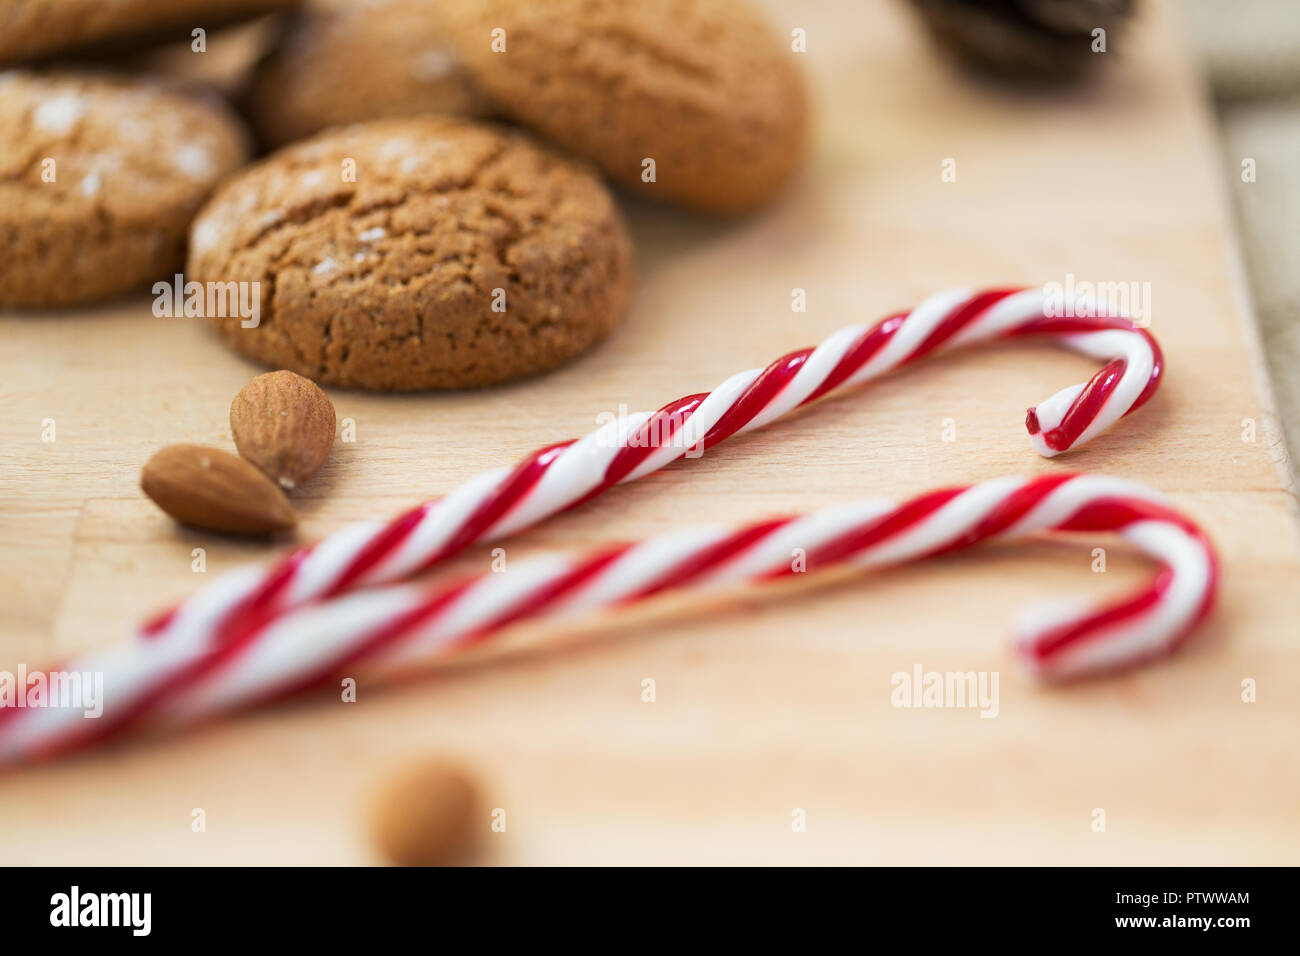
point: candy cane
(381, 631)
(503, 501)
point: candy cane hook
(392, 629)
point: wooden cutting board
(764, 707)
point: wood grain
(764, 705)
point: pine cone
(1027, 39)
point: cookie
(99, 178)
(418, 253)
(704, 88)
(223, 68)
(35, 29)
(342, 62)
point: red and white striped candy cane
(379, 631)
(503, 501)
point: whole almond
(284, 424)
(427, 815)
(211, 488)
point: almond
(213, 489)
(284, 424)
(427, 815)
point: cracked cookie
(704, 88)
(416, 253)
(99, 178)
(35, 29)
(341, 62)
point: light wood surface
(763, 706)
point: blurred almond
(284, 424)
(427, 815)
(213, 489)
